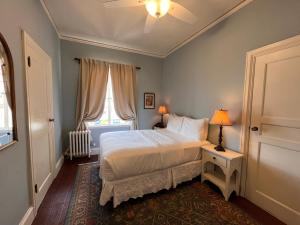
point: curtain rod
(78, 60)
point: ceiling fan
(156, 9)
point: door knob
(51, 120)
(254, 128)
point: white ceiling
(123, 28)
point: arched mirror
(8, 127)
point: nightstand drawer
(216, 159)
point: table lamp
(162, 110)
(220, 118)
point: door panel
(39, 93)
(273, 178)
(278, 167)
(287, 133)
(277, 104)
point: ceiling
(90, 22)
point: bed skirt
(137, 186)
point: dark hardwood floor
(53, 209)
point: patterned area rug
(190, 203)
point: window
(5, 111)
(109, 116)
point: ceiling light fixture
(157, 8)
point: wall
(208, 73)
(14, 161)
(148, 79)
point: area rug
(190, 203)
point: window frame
(10, 65)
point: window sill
(108, 126)
(8, 145)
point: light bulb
(157, 8)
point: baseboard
(58, 165)
(28, 217)
(95, 151)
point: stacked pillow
(174, 123)
(195, 129)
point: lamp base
(160, 125)
(220, 148)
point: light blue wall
(208, 73)
(29, 15)
(148, 79)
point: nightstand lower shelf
(219, 181)
(214, 179)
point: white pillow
(195, 129)
(174, 123)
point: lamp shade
(162, 109)
(221, 117)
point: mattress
(125, 154)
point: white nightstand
(222, 168)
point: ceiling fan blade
(181, 13)
(123, 3)
(150, 22)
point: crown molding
(210, 25)
(50, 17)
(106, 44)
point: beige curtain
(91, 91)
(123, 79)
(5, 73)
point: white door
(40, 114)
(273, 173)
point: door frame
(247, 99)
(27, 40)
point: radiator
(79, 143)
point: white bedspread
(131, 153)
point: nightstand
(158, 126)
(222, 168)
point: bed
(137, 162)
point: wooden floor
(54, 207)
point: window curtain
(123, 79)
(5, 75)
(91, 91)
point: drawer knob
(214, 157)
